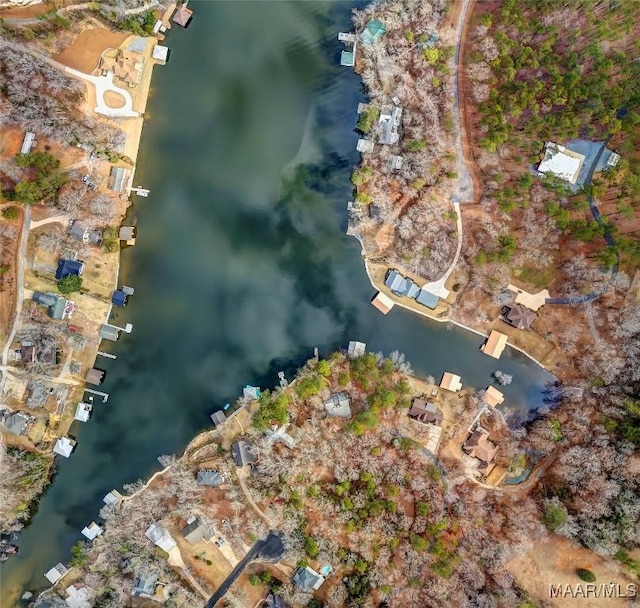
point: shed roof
(27, 142)
(495, 344)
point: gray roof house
(218, 418)
(307, 579)
(16, 423)
(55, 304)
(144, 583)
(243, 453)
(159, 536)
(195, 531)
(390, 119)
(117, 179)
(400, 285)
(82, 233)
(338, 405)
(209, 477)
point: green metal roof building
(373, 31)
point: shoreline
(426, 315)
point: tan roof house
(493, 396)
(450, 382)
(495, 344)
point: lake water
(242, 266)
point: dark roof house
(243, 453)
(307, 579)
(519, 316)
(27, 353)
(67, 268)
(424, 411)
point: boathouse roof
(373, 31)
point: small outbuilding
(218, 418)
(56, 573)
(109, 332)
(364, 146)
(373, 31)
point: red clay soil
(25, 12)
(8, 281)
(84, 52)
(10, 141)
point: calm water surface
(241, 265)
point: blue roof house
(119, 298)
(67, 268)
(428, 299)
(373, 31)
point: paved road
(22, 252)
(269, 549)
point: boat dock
(348, 55)
(105, 396)
(141, 191)
(108, 355)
